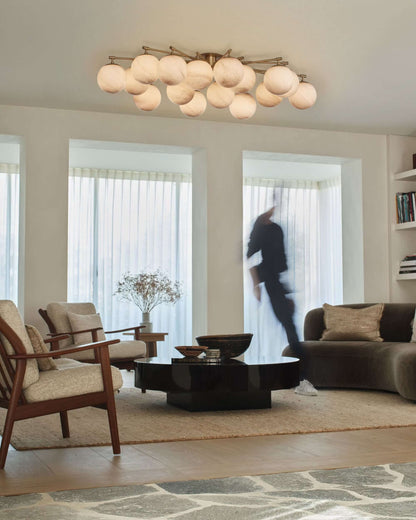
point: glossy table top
(166, 361)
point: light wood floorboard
(75, 468)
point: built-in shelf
(410, 175)
(409, 276)
(405, 225)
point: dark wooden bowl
(230, 345)
(192, 351)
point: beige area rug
(147, 418)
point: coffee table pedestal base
(206, 401)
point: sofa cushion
(395, 324)
(345, 324)
(84, 322)
(40, 347)
(123, 350)
(72, 378)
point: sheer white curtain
(309, 213)
(123, 221)
(9, 231)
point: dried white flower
(147, 290)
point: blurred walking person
(267, 237)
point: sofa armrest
(314, 325)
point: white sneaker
(306, 388)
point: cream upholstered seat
(70, 378)
(72, 317)
(30, 389)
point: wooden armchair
(83, 324)
(65, 384)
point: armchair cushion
(40, 347)
(83, 322)
(123, 350)
(10, 314)
(58, 314)
(70, 379)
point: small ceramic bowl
(192, 351)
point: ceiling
(359, 54)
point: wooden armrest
(56, 337)
(62, 352)
(124, 330)
(73, 333)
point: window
(9, 231)
(309, 213)
(122, 221)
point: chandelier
(228, 81)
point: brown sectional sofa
(389, 365)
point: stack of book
(408, 265)
(405, 207)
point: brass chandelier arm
(180, 53)
(267, 60)
(145, 48)
(112, 58)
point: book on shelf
(408, 263)
(405, 207)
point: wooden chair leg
(5, 441)
(64, 424)
(111, 405)
(14, 399)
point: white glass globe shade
(172, 69)
(133, 86)
(266, 98)
(248, 81)
(111, 78)
(145, 68)
(198, 74)
(219, 97)
(228, 72)
(149, 100)
(304, 97)
(243, 107)
(180, 94)
(278, 80)
(196, 107)
(295, 86)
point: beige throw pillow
(40, 347)
(84, 322)
(345, 324)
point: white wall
(219, 149)
(133, 158)
(299, 170)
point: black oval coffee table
(229, 385)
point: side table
(151, 339)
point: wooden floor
(75, 468)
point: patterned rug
(375, 492)
(147, 418)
